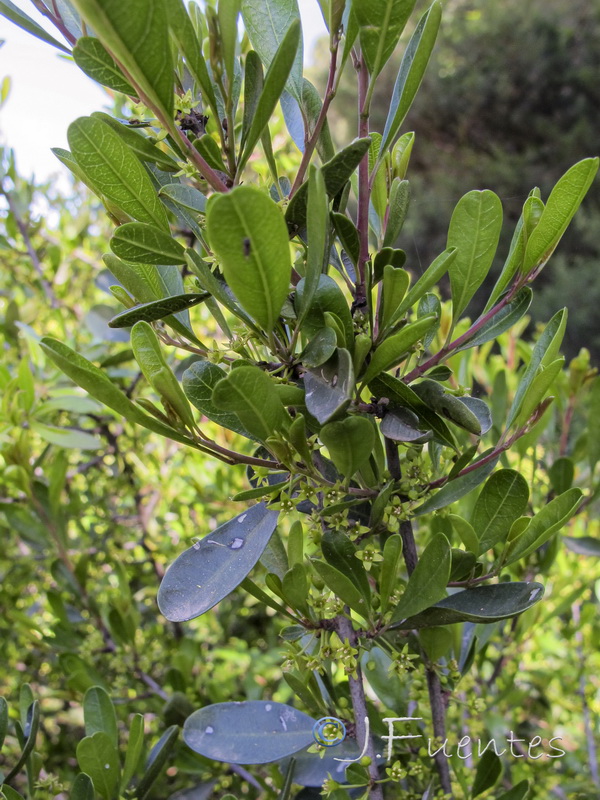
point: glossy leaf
(395, 348)
(479, 409)
(10, 11)
(97, 756)
(157, 761)
(583, 545)
(135, 745)
(214, 566)
(26, 732)
(474, 231)
(348, 235)
(560, 208)
(485, 604)
(518, 792)
(350, 443)
(149, 355)
(250, 732)
(429, 278)
(141, 145)
(502, 501)
(398, 205)
(402, 425)
(250, 394)
(342, 586)
(508, 316)
(466, 532)
(329, 387)
(340, 552)
(544, 524)
(115, 171)
(326, 297)
(249, 237)
(311, 107)
(336, 173)
(91, 57)
(198, 382)
(388, 576)
(543, 382)
(157, 309)
(216, 287)
(395, 285)
(428, 582)
(456, 488)
(317, 223)
(266, 39)
(488, 773)
(185, 196)
(98, 384)
(137, 35)
(142, 243)
(320, 348)
(283, 63)
(99, 714)
(562, 474)
(412, 67)
(82, 789)
(380, 23)
(545, 351)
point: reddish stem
(363, 180)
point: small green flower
(369, 556)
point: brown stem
(363, 181)
(346, 630)
(438, 714)
(566, 428)
(311, 142)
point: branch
(363, 181)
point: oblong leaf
(502, 500)
(380, 23)
(214, 566)
(92, 57)
(198, 382)
(350, 443)
(185, 196)
(250, 732)
(428, 582)
(329, 387)
(11, 12)
(115, 171)
(157, 760)
(249, 237)
(98, 757)
(484, 604)
(142, 243)
(157, 309)
(99, 714)
(250, 393)
(82, 789)
(395, 348)
(474, 231)
(458, 487)
(343, 587)
(508, 316)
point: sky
(48, 91)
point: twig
(363, 181)
(587, 721)
(438, 714)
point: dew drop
(237, 543)
(268, 707)
(107, 766)
(242, 518)
(209, 730)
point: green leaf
(502, 500)
(66, 437)
(561, 474)
(542, 382)
(454, 489)
(329, 387)
(466, 532)
(157, 761)
(412, 67)
(320, 348)
(311, 106)
(267, 23)
(14, 14)
(198, 382)
(248, 235)
(141, 243)
(398, 209)
(250, 732)
(380, 23)
(99, 385)
(388, 576)
(343, 587)
(503, 320)
(253, 84)
(402, 425)
(142, 146)
(544, 524)
(250, 393)
(135, 745)
(560, 208)
(295, 587)
(136, 34)
(149, 355)
(317, 213)
(91, 57)
(350, 443)
(157, 309)
(518, 792)
(82, 789)
(326, 297)
(115, 171)
(395, 348)
(3, 720)
(395, 285)
(474, 231)
(214, 566)
(275, 80)
(30, 719)
(228, 12)
(428, 582)
(402, 395)
(348, 235)
(97, 756)
(485, 604)
(336, 173)
(429, 278)
(217, 288)
(185, 196)
(99, 714)
(544, 352)
(340, 552)
(489, 771)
